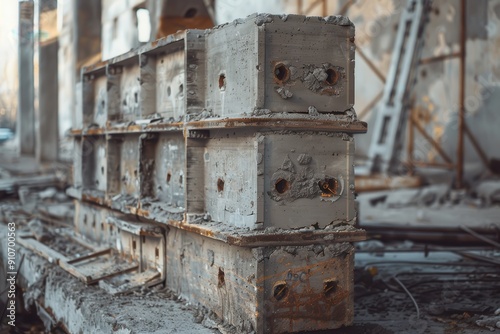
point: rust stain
(284, 123)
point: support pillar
(25, 126)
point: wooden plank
(129, 282)
(111, 270)
(91, 255)
(44, 251)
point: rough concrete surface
(88, 309)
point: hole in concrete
(110, 228)
(169, 177)
(157, 252)
(169, 91)
(102, 226)
(222, 82)
(280, 290)
(330, 287)
(125, 102)
(281, 186)
(220, 185)
(191, 12)
(143, 239)
(135, 172)
(181, 89)
(281, 72)
(134, 245)
(328, 187)
(103, 104)
(180, 179)
(102, 170)
(85, 219)
(222, 280)
(136, 97)
(332, 76)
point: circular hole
(191, 12)
(332, 76)
(281, 72)
(169, 176)
(220, 185)
(280, 290)
(169, 91)
(281, 186)
(222, 81)
(330, 287)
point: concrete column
(47, 144)
(25, 127)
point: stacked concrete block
(237, 143)
(280, 64)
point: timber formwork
(222, 160)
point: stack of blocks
(236, 144)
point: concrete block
(280, 64)
(124, 93)
(94, 164)
(77, 163)
(267, 289)
(123, 165)
(95, 97)
(142, 242)
(163, 168)
(90, 222)
(172, 75)
(272, 179)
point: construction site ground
(401, 285)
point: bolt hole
(220, 185)
(102, 170)
(191, 12)
(221, 276)
(280, 290)
(282, 186)
(180, 179)
(169, 91)
(134, 245)
(328, 187)
(169, 176)
(332, 76)
(330, 287)
(281, 72)
(181, 89)
(136, 97)
(222, 82)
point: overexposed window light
(143, 25)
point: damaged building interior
(264, 166)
